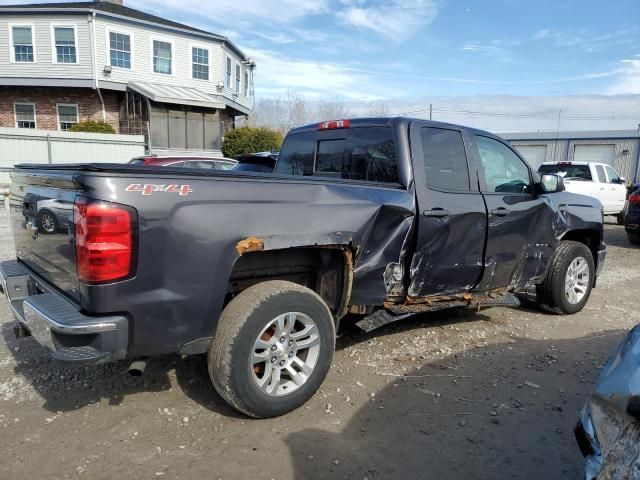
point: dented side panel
(188, 246)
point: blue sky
(402, 49)
(518, 56)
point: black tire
(620, 218)
(551, 292)
(634, 238)
(47, 222)
(240, 324)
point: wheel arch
(325, 269)
(589, 237)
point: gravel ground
(449, 395)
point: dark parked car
(632, 220)
(206, 163)
(609, 427)
(263, 162)
(379, 217)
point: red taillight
(634, 198)
(334, 125)
(104, 240)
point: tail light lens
(634, 198)
(106, 234)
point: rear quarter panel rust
(188, 245)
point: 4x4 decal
(149, 188)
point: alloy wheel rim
(285, 354)
(576, 283)
(47, 223)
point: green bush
(250, 140)
(93, 126)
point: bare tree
(334, 109)
(294, 110)
(379, 109)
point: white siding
(44, 67)
(142, 69)
(33, 146)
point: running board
(378, 319)
(395, 312)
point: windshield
(567, 171)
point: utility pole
(556, 146)
(431, 112)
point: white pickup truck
(597, 180)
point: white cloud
(489, 50)
(396, 19)
(628, 78)
(239, 12)
(587, 40)
(276, 74)
(523, 113)
(277, 38)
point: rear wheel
(272, 348)
(634, 238)
(567, 285)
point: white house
(61, 63)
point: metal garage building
(618, 148)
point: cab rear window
(567, 171)
(365, 154)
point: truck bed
(187, 243)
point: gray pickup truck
(376, 218)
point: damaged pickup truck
(378, 217)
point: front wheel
(272, 348)
(620, 218)
(567, 285)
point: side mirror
(621, 180)
(551, 184)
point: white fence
(18, 145)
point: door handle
(436, 213)
(500, 212)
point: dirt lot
(449, 395)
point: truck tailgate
(41, 209)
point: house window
(162, 57)
(120, 50)
(246, 83)
(25, 115)
(65, 43)
(200, 62)
(228, 76)
(238, 79)
(67, 116)
(22, 44)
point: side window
(445, 159)
(613, 176)
(602, 178)
(501, 169)
(297, 154)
